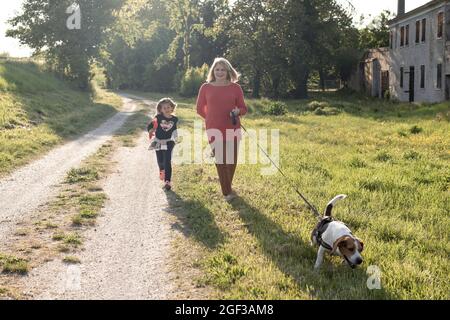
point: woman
(221, 102)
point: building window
(440, 27)
(401, 77)
(439, 76)
(422, 76)
(407, 35)
(417, 31)
(402, 36)
(424, 29)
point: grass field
(39, 111)
(393, 162)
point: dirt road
(25, 190)
(126, 255)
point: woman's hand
(236, 111)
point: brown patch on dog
(360, 244)
(346, 245)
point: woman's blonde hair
(232, 74)
(165, 100)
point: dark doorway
(411, 84)
(384, 84)
(447, 87)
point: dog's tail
(331, 204)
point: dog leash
(313, 209)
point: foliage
(192, 81)
(43, 26)
(278, 46)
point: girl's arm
(151, 128)
(201, 102)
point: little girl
(162, 132)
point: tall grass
(38, 111)
(393, 162)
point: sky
(371, 8)
(367, 8)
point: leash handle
(233, 118)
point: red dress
(214, 104)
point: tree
(248, 35)
(376, 34)
(213, 39)
(136, 57)
(43, 26)
(184, 19)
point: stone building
(416, 66)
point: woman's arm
(201, 102)
(240, 103)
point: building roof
(418, 10)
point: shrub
(327, 111)
(258, 106)
(192, 81)
(415, 129)
(276, 108)
(314, 105)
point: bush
(323, 108)
(257, 105)
(314, 105)
(327, 111)
(276, 108)
(415, 130)
(192, 81)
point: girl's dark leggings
(164, 158)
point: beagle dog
(336, 238)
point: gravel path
(126, 255)
(25, 190)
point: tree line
(279, 46)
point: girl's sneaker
(162, 175)
(167, 185)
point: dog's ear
(361, 244)
(339, 243)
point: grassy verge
(39, 111)
(56, 230)
(391, 160)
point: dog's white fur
(335, 232)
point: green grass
(39, 111)
(393, 162)
(12, 264)
(68, 238)
(71, 260)
(77, 175)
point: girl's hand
(236, 111)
